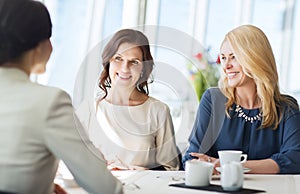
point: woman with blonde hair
(248, 112)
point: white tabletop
(153, 182)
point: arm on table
(265, 166)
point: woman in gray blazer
(37, 124)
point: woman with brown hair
(136, 130)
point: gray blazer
(38, 127)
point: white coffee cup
(232, 176)
(227, 156)
(198, 173)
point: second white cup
(227, 156)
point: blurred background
(79, 25)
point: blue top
(211, 134)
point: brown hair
(133, 37)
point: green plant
(204, 72)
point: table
(156, 182)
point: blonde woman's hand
(206, 158)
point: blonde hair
(253, 51)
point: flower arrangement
(204, 73)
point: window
(70, 27)
(81, 26)
(293, 79)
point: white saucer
(219, 169)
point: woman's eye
(117, 58)
(135, 62)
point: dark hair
(23, 24)
(133, 37)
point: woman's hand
(206, 158)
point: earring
(138, 87)
(107, 83)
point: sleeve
(288, 158)
(199, 128)
(66, 139)
(167, 153)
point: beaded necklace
(242, 114)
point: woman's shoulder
(49, 91)
(289, 104)
(289, 100)
(157, 104)
(215, 91)
(152, 99)
(22, 83)
(50, 98)
(213, 95)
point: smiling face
(234, 72)
(126, 66)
